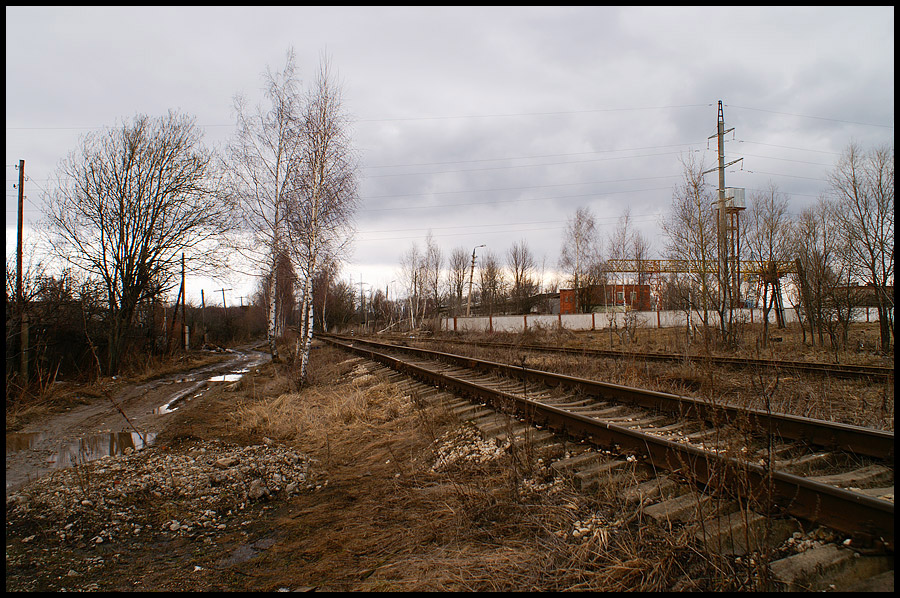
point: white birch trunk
(270, 328)
(307, 340)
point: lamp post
(471, 274)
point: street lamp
(471, 274)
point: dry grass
(859, 402)
(389, 519)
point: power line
(785, 160)
(634, 217)
(531, 113)
(531, 157)
(787, 175)
(379, 176)
(522, 188)
(802, 149)
(416, 118)
(852, 122)
(502, 201)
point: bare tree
(263, 158)
(492, 282)
(770, 242)
(580, 247)
(135, 198)
(433, 261)
(521, 264)
(864, 185)
(320, 210)
(459, 267)
(691, 232)
(822, 275)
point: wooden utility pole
(20, 298)
(203, 314)
(224, 307)
(223, 298)
(174, 315)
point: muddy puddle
(81, 450)
(59, 442)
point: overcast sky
(483, 125)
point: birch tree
(133, 199)
(264, 156)
(412, 279)
(580, 248)
(320, 211)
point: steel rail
(835, 369)
(854, 439)
(850, 512)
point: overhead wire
(852, 122)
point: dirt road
(89, 431)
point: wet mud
(96, 430)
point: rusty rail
(850, 512)
(833, 369)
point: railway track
(835, 475)
(830, 369)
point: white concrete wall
(600, 321)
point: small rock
(72, 573)
(257, 490)
(226, 462)
(86, 503)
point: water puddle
(82, 450)
(171, 405)
(226, 378)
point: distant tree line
(836, 255)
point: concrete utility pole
(363, 316)
(19, 242)
(20, 299)
(471, 274)
(724, 277)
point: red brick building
(635, 296)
